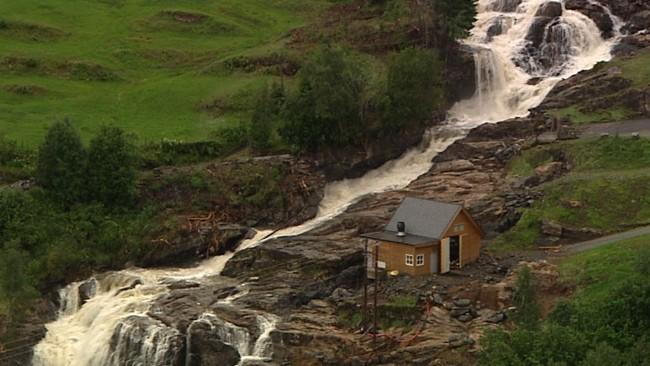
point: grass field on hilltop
(146, 66)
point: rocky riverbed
(304, 280)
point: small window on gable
(409, 260)
(419, 260)
(459, 228)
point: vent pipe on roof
(401, 229)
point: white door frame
(460, 251)
(444, 255)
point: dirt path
(595, 243)
(641, 126)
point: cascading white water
(101, 331)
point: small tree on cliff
(524, 299)
(265, 115)
(455, 17)
(61, 162)
(111, 168)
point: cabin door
(454, 251)
(444, 255)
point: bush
(111, 170)
(524, 299)
(16, 287)
(265, 115)
(327, 108)
(61, 164)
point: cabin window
(419, 260)
(409, 259)
(458, 228)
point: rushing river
(114, 319)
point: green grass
(608, 188)
(587, 155)
(597, 272)
(404, 300)
(636, 68)
(156, 54)
(577, 116)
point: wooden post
(364, 319)
(374, 312)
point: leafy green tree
(443, 21)
(413, 89)
(604, 355)
(455, 17)
(61, 163)
(527, 313)
(265, 115)
(111, 169)
(327, 108)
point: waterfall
(111, 326)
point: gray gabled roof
(414, 240)
(424, 217)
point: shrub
(16, 287)
(61, 164)
(327, 108)
(525, 300)
(111, 170)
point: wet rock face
(632, 45)
(207, 348)
(551, 9)
(639, 21)
(626, 9)
(202, 241)
(595, 12)
(548, 44)
(461, 82)
(504, 6)
(142, 340)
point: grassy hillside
(617, 102)
(607, 189)
(594, 272)
(155, 68)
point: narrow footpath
(596, 243)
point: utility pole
(365, 287)
(374, 312)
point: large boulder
(207, 347)
(87, 291)
(549, 171)
(140, 340)
(200, 241)
(504, 6)
(550, 9)
(639, 21)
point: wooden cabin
(425, 237)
